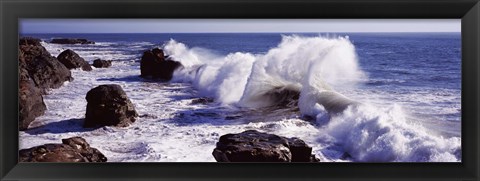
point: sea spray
(189, 131)
(372, 134)
(222, 77)
(247, 79)
(314, 67)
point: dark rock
(98, 63)
(254, 146)
(108, 105)
(202, 100)
(71, 41)
(153, 64)
(72, 60)
(45, 70)
(38, 71)
(74, 149)
(30, 100)
(301, 152)
(30, 41)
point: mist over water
(361, 97)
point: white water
(171, 129)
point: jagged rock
(71, 41)
(254, 146)
(74, 149)
(72, 60)
(108, 105)
(98, 63)
(153, 64)
(30, 41)
(30, 100)
(45, 70)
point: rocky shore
(74, 149)
(38, 72)
(109, 105)
(71, 41)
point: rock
(71, 41)
(153, 64)
(254, 146)
(72, 60)
(74, 149)
(30, 41)
(202, 100)
(301, 152)
(108, 105)
(30, 100)
(45, 70)
(98, 63)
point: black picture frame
(466, 10)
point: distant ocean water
(408, 85)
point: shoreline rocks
(98, 63)
(72, 60)
(71, 41)
(30, 41)
(38, 72)
(254, 146)
(45, 70)
(74, 149)
(154, 64)
(108, 105)
(30, 100)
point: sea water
(367, 97)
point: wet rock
(74, 149)
(30, 41)
(154, 65)
(30, 100)
(254, 146)
(45, 70)
(71, 41)
(108, 105)
(98, 63)
(202, 100)
(72, 60)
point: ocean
(402, 91)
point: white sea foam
(375, 134)
(296, 63)
(172, 129)
(311, 66)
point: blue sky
(236, 25)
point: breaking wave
(310, 69)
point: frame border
(13, 10)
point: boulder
(254, 146)
(153, 64)
(30, 100)
(74, 149)
(45, 70)
(30, 41)
(98, 63)
(72, 60)
(71, 41)
(108, 105)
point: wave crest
(310, 69)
